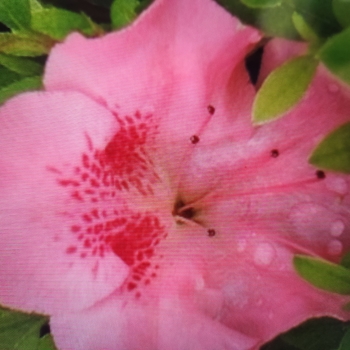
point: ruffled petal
(51, 193)
(266, 203)
(161, 322)
(173, 62)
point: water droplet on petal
(338, 185)
(259, 302)
(333, 88)
(337, 228)
(264, 254)
(199, 283)
(241, 245)
(335, 247)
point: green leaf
(303, 28)
(346, 307)
(20, 331)
(58, 23)
(15, 14)
(47, 343)
(261, 3)
(26, 84)
(345, 342)
(333, 152)
(19, 45)
(319, 15)
(123, 12)
(283, 88)
(341, 10)
(323, 274)
(335, 54)
(7, 77)
(345, 260)
(22, 66)
(317, 334)
(35, 5)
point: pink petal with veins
(50, 195)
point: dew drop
(264, 254)
(241, 245)
(333, 88)
(259, 302)
(199, 283)
(335, 247)
(338, 185)
(337, 228)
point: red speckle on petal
(71, 250)
(75, 228)
(102, 176)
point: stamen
(275, 153)
(211, 109)
(211, 232)
(194, 139)
(320, 174)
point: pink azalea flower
(140, 208)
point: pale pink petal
(174, 62)
(161, 325)
(47, 203)
(266, 203)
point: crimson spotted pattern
(99, 183)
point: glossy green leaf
(303, 28)
(345, 260)
(35, 5)
(261, 3)
(273, 21)
(18, 45)
(319, 15)
(7, 77)
(341, 10)
(20, 65)
(345, 342)
(46, 343)
(317, 334)
(323, 274)
(335, 54)
(15, 14)
(283, 88)
(333, 152)
(26, 84)
(20, 331)
(58, 23)
(123, 12)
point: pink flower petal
(163, 326)
(174, 62)
(47, 141)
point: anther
(211, 232)
(320, 174)
(275, 153)
(187, 213)
(194, 139)
(211, 109)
